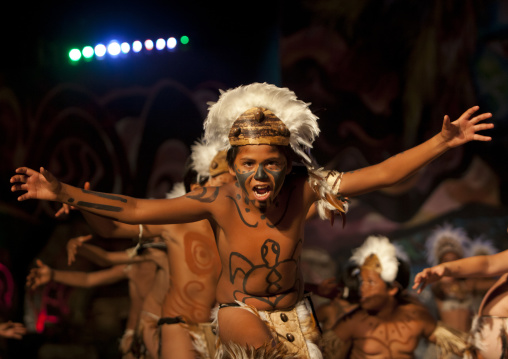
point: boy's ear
(393, 290)
(289, 167)
(232, 171)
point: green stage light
(184, 40)
(74, 55)
(88, 52)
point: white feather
(202, 155)
(385, 252)
(295, 114)
(178, 190)
(481, 247)
(446, 236)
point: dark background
(379, 74)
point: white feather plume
(295, 114)
(481, 247)
(385, 251)
(202, 155)
(446, 238)
(178, 190)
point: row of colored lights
(115, 48)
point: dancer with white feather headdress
(489, 332)
(453, 296)
(259, 219)
(388, 321)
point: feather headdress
(444, 239)
(202, 155)
(481, 247)
(283, 103)
(379, 254)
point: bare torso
(394, 337)
(260, 251)
(194, 267)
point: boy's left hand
(464, 129)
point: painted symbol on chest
(270, 269)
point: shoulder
(417, 312)
(347, 325)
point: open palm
(465, 128)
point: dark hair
(348, 274)
(190, 176)
(287, 151)
(403, 273)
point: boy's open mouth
(262, 192)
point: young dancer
(489, 334)
(453, 297)
(258, 221)
(388, 323)
(193, 259)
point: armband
(327, 185)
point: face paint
(242, 177)
(261, 174)
(278, 177)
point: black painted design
(105, 195)
(201, 196)
(103, 207)
(240, 214)
(270, 255)
(285, 210)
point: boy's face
(374, 292)
(260, 171)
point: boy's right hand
(38, 185)
(39, 275)
(72, 247)
(428, 276)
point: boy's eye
(274, 165)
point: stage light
(113, 48)
(171, 43)
(100, 50)
(88, 52)
(137, 46)
(75, 55)
(160, 44)
(184, 40)
(125, 47)
(148, 44)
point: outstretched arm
(44, 186)
(105, 258)
(403, 165)
(43, 274)
(477, 266)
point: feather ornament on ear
(283, 103)
(202, 155)
(379, 254)
(444, 239)
(178, 190)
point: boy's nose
(260, 174)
